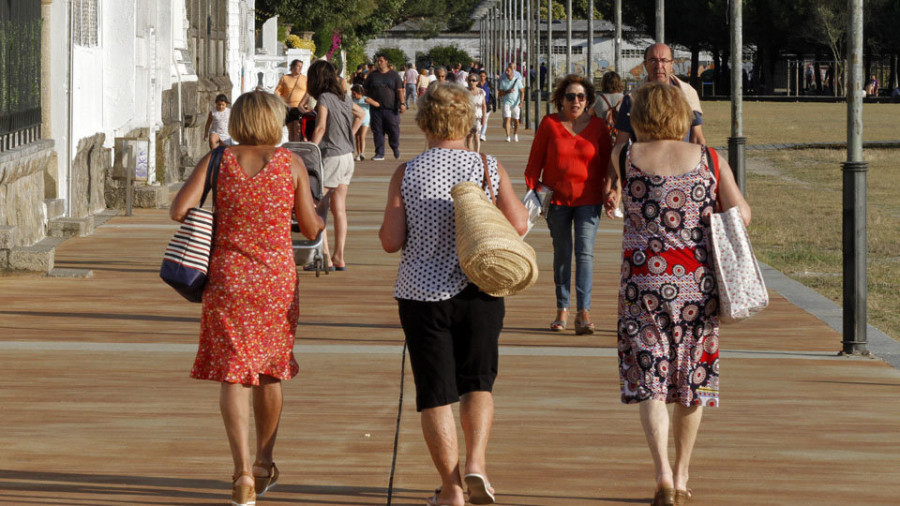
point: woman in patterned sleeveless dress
(250, 306)
(668, 324)
(452, 329)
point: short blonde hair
(256, 119)
(445, 111)
(660, 111)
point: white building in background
(124, 80)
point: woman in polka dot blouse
(452, 328)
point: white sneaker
(516, 137)
(483, 138)
(378, 158)
(507, 139)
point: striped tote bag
(186, 259)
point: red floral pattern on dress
(251, 304)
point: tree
(447, 55)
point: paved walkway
(98, 407)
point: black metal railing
(20, 72)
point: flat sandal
(664, 497)
(683, 497)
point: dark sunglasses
(572, 96)
(473, 80)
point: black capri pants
(453, 345)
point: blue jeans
(586, 220)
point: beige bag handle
(486, 182)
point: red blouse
(573, 165)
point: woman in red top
(570, 154)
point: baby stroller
(310, 252)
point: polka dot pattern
(429, 268)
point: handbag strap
(212, 175)
(623, 154)
(712, 160)
(486, 182)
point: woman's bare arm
(393, 227)
(189, 194)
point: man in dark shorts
(385, 87)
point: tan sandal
(559, 324)
(683, 497)
(664, 497)
(263, 484)
(242, 495)
(583, 325)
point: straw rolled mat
(491, 253)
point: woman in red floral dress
(668, 337)
(250, 306)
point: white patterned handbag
(742, 290)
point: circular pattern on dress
(631, 327)
(663, 321)
(635, 310)
(668, 291)
(631, 292)
(651, 301)
(707, 284)
(690, 312)
(698, 193)
(633, 375)
(699, 376)
(655, 244)
(696, 353)
(657, 193)
(699, 272)
(696, 234)
(638, 258)
(685, 234)
(700, 254)
(650, 335)
(678, 270)
(715, 367)
(712, 307)
(657, 264)
(672, 218)
(711, 345)
(638, 189)
(626, 270)
(653, 228)
(650, 210)
(657, 180)
(677, 333)
(705, 213)
(675, 199)
(662, 367)
(645, 360)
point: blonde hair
(257, 118)
(445, 111)
(660, 111)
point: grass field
(796, 196)
(792, 122)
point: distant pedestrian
(410, 81)
(217, 123)
(359, 97)
(510, 92)
(422, 82)
(490, 98)
(473, 140)
(251, 304)
(609, 99)
(452, 328)
(385, 87)
(872, 86)
(668, 318)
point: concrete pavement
(98, 407)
